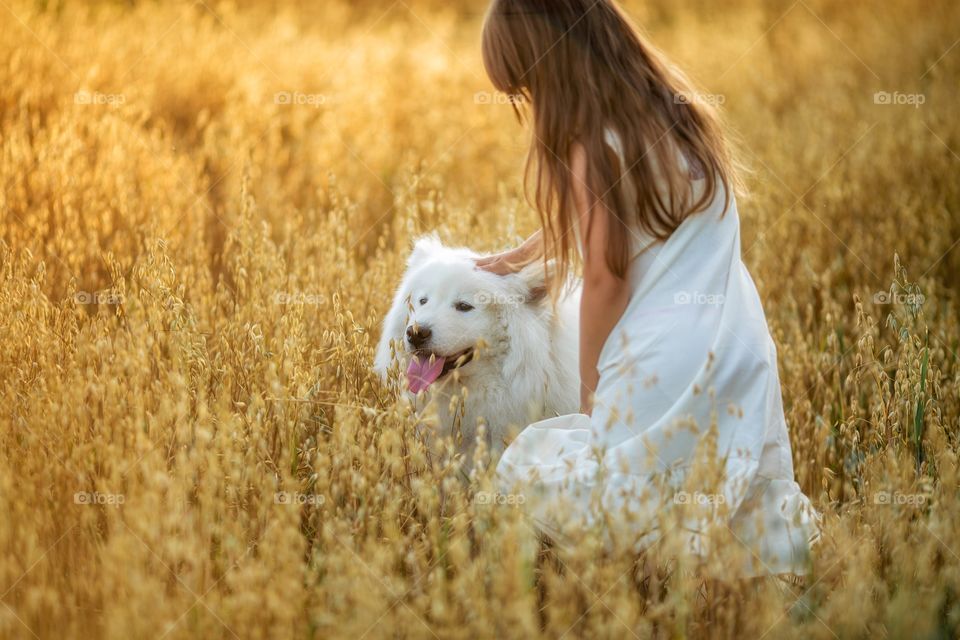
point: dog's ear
(423, 248)
(534, 280)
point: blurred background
(204, 210)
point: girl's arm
(513, 260)
(605, 295)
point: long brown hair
(581, 68)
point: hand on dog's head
(443, 290)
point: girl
(630, 175)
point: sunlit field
(205, 208)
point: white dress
(692, 352)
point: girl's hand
(513, 260)
(500, 264)
(589, 379)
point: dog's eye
(463, 306)
(423, 301)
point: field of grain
(204, 208)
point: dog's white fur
(525, 364)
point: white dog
(500, 338)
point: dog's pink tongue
(421, 374)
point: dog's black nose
(417, 335)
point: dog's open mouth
(426, 368)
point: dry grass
(145, 353)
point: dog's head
(448, 314)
